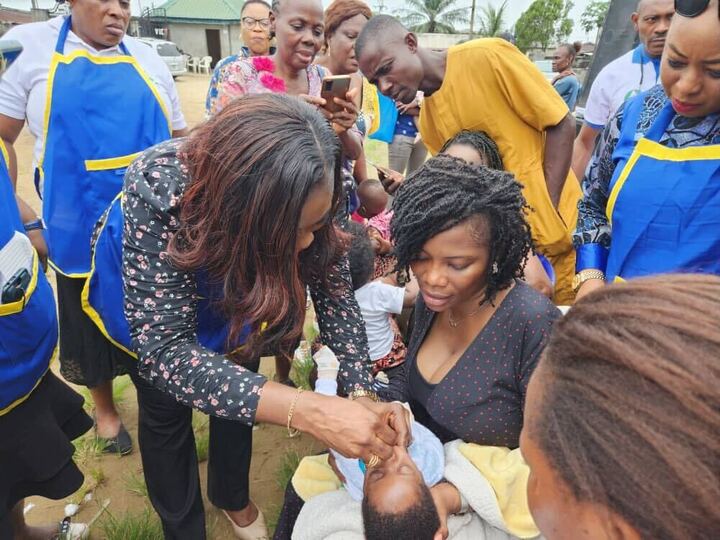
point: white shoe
(257, 530)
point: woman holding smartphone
(298, 28)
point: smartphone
(9, 51)
(335, 86)
(16, 287)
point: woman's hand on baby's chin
(396, 416)
(353, 429)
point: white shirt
(620, 80)
(377, 300)
(24, 85)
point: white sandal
(257, 530)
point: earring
(495, 268)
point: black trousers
(167, 449)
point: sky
(514, 8)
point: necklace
(454, 323)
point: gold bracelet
(357, 394)
(293, 432)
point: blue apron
(28, 327)
(100, 113)
(103, 297)
(664, 203)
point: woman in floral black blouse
(231, 225)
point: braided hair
(483, 145)
(445, 192)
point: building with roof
(12, 17)
(198, 28)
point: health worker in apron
(652, 197)
(93, 98)
(39, 414)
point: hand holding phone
(334, 86)
(391, 180)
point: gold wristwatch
(584, 275)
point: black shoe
(120, 444)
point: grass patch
(143, 526)
(93, 478)
(135, 484)
(201, 427)
(288, 466)
(272, 516)
(120, 384)
(300, 372)
(375, 151)
(87, 448)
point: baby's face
(393, 485)
(372, 203)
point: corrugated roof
(203, 10)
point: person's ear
(273, 22)
(635, 17)
(411, 42)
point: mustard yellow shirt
(491, 86)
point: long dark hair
(629, 416)
(252, 168)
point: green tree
(564, 26)
(433, 16)
(593, 17)
(537, 25)
(492, 20)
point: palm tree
(433, 16)
(492, 20)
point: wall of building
(441, 41)
(191, 38)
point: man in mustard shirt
(489, 85)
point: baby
(395, 494)
(378, 300)
(376, 218)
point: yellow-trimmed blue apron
(103, 297)
(100, 113)
(28, 327)
(664, 203)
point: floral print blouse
(593, 225)
(255, 75)
(161, 302)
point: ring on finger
(373, 461)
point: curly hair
(483, 145)
(445, 192)
(360, 254)
(340, 11)
(252, 168)
(629, 413)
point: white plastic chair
(192, 63)
(204, 65)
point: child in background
(376, 218)
(379, 300)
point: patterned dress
(593, 225)
(161, 302)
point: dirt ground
(119, 480)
